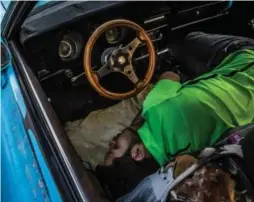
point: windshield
(3, 7)
(5, 4)
(40, 3)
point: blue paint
(52, 189)
(15, 86)
(22, 180)
(3, 80)
(25, 175)
(17, 92)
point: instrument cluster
(71, 42)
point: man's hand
(170, 76)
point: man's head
(126, 164)
(126, 144)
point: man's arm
(170, 76)
(138, 121)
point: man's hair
(125, 173)
(132, 137)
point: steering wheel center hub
(121, 60)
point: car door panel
(25, 174)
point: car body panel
(51, 187)
(25, 174)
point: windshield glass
(5, 4)
(40, 3)
(3, 7)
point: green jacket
(188, 117)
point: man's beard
(125, 174)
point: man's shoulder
(163, 90)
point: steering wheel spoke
(104, 70)
(130, 73)
(132, 46)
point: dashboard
(55, 37)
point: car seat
(244, 135)
(244, 168)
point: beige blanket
(91, 136)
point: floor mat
(91, 136)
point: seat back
(248, 151)
(244, 136)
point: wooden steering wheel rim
(92, 77)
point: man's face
(117, 148)
(122, 145)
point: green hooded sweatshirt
(188, 117)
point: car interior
(64, 42)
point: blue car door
(25, 175)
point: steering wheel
(120, 60)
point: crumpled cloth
(153, 188)
(156, 187)
(91, 136)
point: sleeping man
(179, 118)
